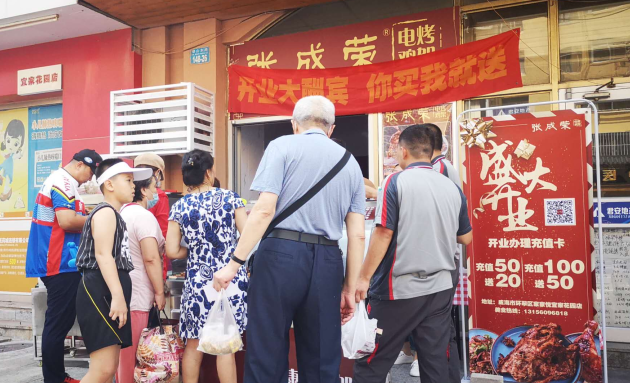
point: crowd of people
(309, 186)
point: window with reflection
(534, 46)
(594, 39)
(614, 146)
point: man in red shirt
(159, 206)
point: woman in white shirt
(146, 243)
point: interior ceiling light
(28, 23)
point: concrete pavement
(17, 366)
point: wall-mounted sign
(615, 212)
(509, 110)
(200, 55)
(39, 80)
(45, 134)
(609, 175)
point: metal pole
(600, 248)
(602, 324)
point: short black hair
(437, 135)
(137, 193)
(418, 140)
(339, 142)
(194, 166)
(217, 183)
(108, 163)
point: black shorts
(93, 300)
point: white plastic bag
(220, 335)
(358, 337)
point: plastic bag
(220, 335)
(358, 337)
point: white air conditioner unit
(170, 119)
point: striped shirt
(86, 257)
(48, 252)
(444, 167)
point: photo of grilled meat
(508, 342)
(479, 351)
(591, 361)
(540, 356)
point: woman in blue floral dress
(207, 219)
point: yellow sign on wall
(13, 246)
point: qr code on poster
(560, 212)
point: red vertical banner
(530, 259)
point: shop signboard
(468, 70)
(358, 44)
(530, 263)
(39, 80)
(353, 45)
(45, 132)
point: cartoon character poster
(14, 162)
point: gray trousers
(428, 319)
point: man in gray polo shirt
(298, 269)
(420, 217)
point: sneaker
(403, 358)
(415, 369)
(68, 379)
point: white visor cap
(139, 174)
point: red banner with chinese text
(370, 42)
(530, 259)
(465, 71)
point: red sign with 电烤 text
(358, 44)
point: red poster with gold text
(530, 260)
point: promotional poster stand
(595, 121)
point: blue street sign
(509, 110)
(613, 212)
(200, 55)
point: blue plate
(575, 335)
(515, 335)
(479, 331)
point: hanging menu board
(616, 276)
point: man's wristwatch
(237, 260)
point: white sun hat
(139, 174)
